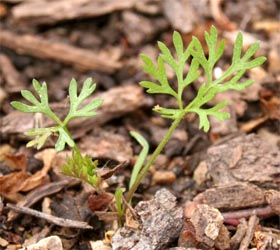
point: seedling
(78, 166)
(229, 80)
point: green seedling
(77, 166)
(229, 80)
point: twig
(246, 213)
(53, 219)
(42, 48)
(253, 221)
(37, 194)
(239, 234)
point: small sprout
(42, 134)
(77, 165)
(229, 80)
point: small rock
(161, 222)
(163, 176)
(52, 242)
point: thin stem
(53, 116)
(155, 154)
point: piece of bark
(232, 196)
(106, 145)
(207, 222)
(245, 158)
(150, 7)
(51, 12)
(222, 242)
(37, 46)
(74, 207)
(182, 15)
(138, 34)
(273, 199)
(117, 102)
(161, 223)
(14, 80)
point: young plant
(229, 80)
(78, 166)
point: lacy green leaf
(199, 64)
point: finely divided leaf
(76, 100)
(24, 107)
(237, 49)
(64, 138)
(214, 111)
(41, 105)
(159, 74)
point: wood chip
(161, 223)
(164, 176)
(37, 46)
(232, 196)
(50, 12)
(241, 159)
(13, 79)
(207, 222)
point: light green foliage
(141, 157)
(82, 167)
(119, 204)
(42, 106)
(230, 79)
(198, 62)
(78, 166)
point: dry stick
(246, 213)
(239, 234)
(37, 194)
(40, 47)
(53, 219)
(267, 241)
(253, 221)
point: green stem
(155, 154)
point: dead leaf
(47, 156)
(187, 236)
(4, 150)
(99, 202)
(9, 183)
(16, 162)
(21, 181)
(272, 107)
